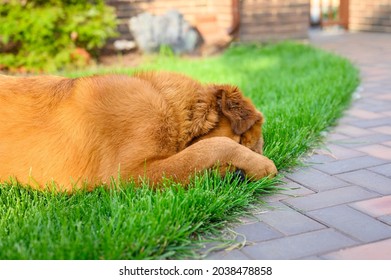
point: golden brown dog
(149, 125)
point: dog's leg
(206, 154)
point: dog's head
(237, 118)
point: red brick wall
(370, 15)
(260, 20)
(204, 14)
(271, 20)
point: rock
(124, 45)
(151, 32)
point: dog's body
(152, 124)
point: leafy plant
(50, 35)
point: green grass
(301, 91)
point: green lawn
(301, 91)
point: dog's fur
(149, 125)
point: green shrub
(37, 35)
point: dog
(151, 125)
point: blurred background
(54, 35)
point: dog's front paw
(270, 168)
(260, 167)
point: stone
(124, 45)
(303, 245)
(353, 223)
(151, 32)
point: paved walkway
(341, 204)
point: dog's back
(32, 140)
(61, 129)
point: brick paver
(316, 180)
(377, 150)
(288, 221)
(338, 152)
(369, 180)
(256, 232)
(385, 219)
(352, 222)
(372, 251)
(340, 206)
(383, 129)
(373, 123)
(375, 207)
(384, 169)
(353, 131)
(346, 165)
(330, 198)
(293, 189)
(299, 246)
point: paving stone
(330, 198)
(384, 169)
(353, 131)
(311, 258)
(248, 219)
(339, 152)
(375, 207)
(383, 129)
(378, 151)
(385, 219)
(293, 189)
(374, 105)
(288, 221)
(256, 232)
(370, 100)
(380, 250)
(346, 120)
(274, 206)
(352, 222)
(316, 180)
(299, 246)
(228, 255)
(372, 122)
(363, 114)
(383, 96)
(346, 165)
(334, 136)
(369, 180)
(366, 140)
(319, 158)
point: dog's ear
(239, 110)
